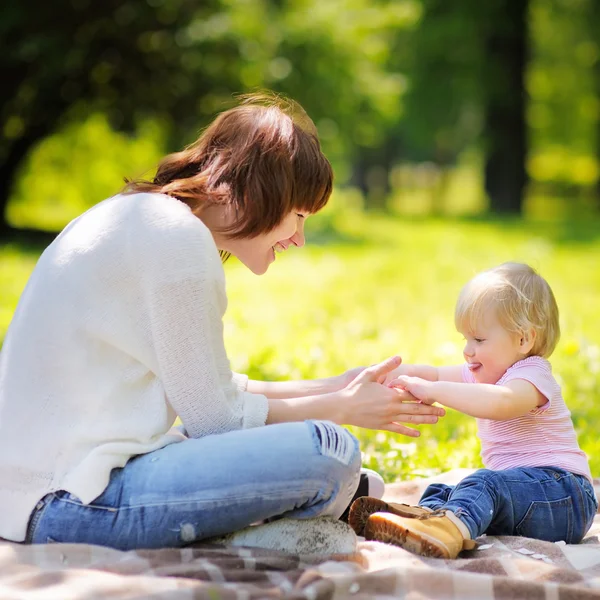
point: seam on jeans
(336, 442)
(582, 500)
(461, 512)
(36, 516)
(536, 480)
(589, 490)
(586, 491)
(487, 484)
(290, 491)
(487, 477)
(492, 474)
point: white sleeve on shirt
(187, 332)
(183, 289)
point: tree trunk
(8, 169)
(358, 177)
(505, 127)
(371, 173)
(372, 179)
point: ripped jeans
(200, 488)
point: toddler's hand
(419, 388)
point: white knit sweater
(118, 331)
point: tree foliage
(181, 61)
(386, 81)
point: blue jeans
(546, 503)
(200, 488)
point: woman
(119, 331)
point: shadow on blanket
(502, 567)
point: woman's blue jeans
(200, 488)
(545, 503)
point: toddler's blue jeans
(546, 503)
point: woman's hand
(372, 405)
(337, 383)
(340, 382)
(343, 380)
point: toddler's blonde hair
(522, 300)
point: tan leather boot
(362, 508)
(440, 534)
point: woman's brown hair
(262, 158)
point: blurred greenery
(404, 93)
(367, 286)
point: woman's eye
(300, 215)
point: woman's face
(259, 252)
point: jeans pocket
(549, 520)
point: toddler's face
(490, 350)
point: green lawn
(368, 286)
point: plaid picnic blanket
(501, 568)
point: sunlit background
(462, 134)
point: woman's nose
(298, 237)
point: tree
(183, 60)
(125, 59)
(444, 101)
(505, 98)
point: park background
(462, 135)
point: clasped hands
(376, 401)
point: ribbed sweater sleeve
(192, 361)
(184, 293)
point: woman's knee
(336, 442)
(342, 451)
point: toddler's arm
(484, 401)
(428, 372)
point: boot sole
(362, 508)
(382, 527)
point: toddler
(537, 481)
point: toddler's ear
(527, 340)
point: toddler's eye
(479, 340)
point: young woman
(119, 331)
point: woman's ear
(527, 341)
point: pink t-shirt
(544, 437)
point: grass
(369, 286)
